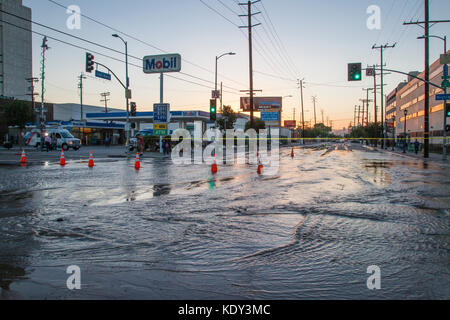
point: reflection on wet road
(175, 232)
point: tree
(18, 113)
(258, 124)
(228, 118)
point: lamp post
(404, 132)
(217, 58)
(127, 84)
(444, 140)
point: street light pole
(127, 85)
(215, 82)
(300, 83)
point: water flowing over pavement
(175, 232)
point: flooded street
(175, 232)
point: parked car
(65, 139)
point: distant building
(15, 50)
(410, 96)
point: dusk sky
(318, 39)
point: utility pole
(44, 47)
(354, 117)
(250, 50)
(375, 105)
(80, 86)
(359, 116)
(321, 111)
(300, 83)
(105, 99)
(314, 99)
(367, 100)
(386, 46)
(426, 26)
(32, 81)
(221, 94)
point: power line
(107, 56)
(100, 45)
(142, 41)
(279, 44)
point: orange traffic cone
(23, 158)
(62, 160)
(292, 153)
(91, 160)
(137, 163)
(214, 165)
(260, 166)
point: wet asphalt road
(174, 232)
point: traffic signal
(133, 109)
(447, 110)
(447, 128)
(213, 110)
(89, 62)
(354, 72)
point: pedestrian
(140, 139)
(416, 146)
(48, 142)
(166, 148)
(107, 141)
(54, 142)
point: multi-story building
(410, 96)
(15, 49)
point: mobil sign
(162, 63)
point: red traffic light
(89, 62)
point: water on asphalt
(176, 232)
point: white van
(65, 139)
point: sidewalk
(435, 157)
(99, 152)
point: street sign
(160, 132)
(270, 116)
(128, 93)
(445, 59)
(442, 97)
(102, 75)
(162, 63)
(290, 123)
(161, 112)
(160, 126)
(445, 83)
(215, 94)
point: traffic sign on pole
(443, 97)
(102, 75)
